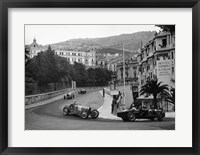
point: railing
(40, 97)
(166, 47)
(31, 99)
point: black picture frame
(5, 4)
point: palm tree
(155, 88)
(170, 96)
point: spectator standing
(103, 92)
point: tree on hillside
(80, 74)
(153, 87)
(167, 28)
(28, 76)
(91, 74)
(52, 70)
(108, 75)
(103, 76)
(27, 54)
(64, 70)
(43, 68)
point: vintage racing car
(69, 95)
(80, 110)
(133, 113)
(82, 91)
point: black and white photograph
(99, 77)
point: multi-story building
(101, 62)
(112, 64)
(35, 48)
(131, 72)
(107, 60)
(87, 58)
(157, 59)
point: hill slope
(131, 42)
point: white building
(157, 58)
(87, 58)
(35, 48)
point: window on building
(86, 61)
(172, 70)
(135, 74)
(164, 56)
(164, 42)
(74, 54)
(172, 55)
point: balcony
(165, 47)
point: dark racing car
(82, 91)
(80, 110)
(132, 114)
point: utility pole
(124, 73)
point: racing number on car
(79, 108)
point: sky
(48, 34)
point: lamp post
(114, 77)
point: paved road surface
(50, 117)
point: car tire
(94, 114)
(152, 119)
(124, 119)
(131, 116)
(160, 117)
(65, 111)
(84, 115)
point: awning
(142, 97)
(150, 97)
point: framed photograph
(114, 77)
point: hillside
(113, 44)
(132, 42)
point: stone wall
(40, 97)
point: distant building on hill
(131, 72)
(88, 58)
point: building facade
(157, 59)
(35, 48)
(88, 58)
(131, 71)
